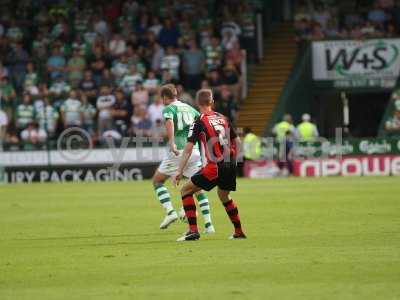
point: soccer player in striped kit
(178, 117)
(219, 142)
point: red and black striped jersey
(216, 136)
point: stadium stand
(331, 19)
(99, 65)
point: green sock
(164, 198)
(204, 208)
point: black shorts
(222, 175)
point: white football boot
(168, 220)
(209, 230)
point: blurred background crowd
(98, 65)
(330, 19)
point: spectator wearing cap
(232, 27)
(307, 130)
(193, 66)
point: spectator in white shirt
(229, 40)
(156, 26)
(105, 103)
(155, 111)
(100, 26)
(130, 80)
(3, 124)
(117, 45)
(171, 63)
(140, 97)
(33, 135)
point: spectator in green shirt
(47, 117)
(25, 112)
(76, 66)
(71, 111)
(7, 94)
(31, 80)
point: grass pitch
(332, 238)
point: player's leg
(204, 206)
(194, 166)
(164, 197)
(232, 212)
(187, 192)
(226, 184)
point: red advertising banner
(365, 165)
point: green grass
(332, 238)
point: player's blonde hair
(204, 97)
(168, 91)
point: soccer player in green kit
(178, 117)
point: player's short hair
(204, 97)
(168, 91)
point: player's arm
(235, 140)
(169, 125)
(187, 152)
(193, 137)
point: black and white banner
(123, 164)
(373, 62)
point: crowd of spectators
(99, 64)
(343, 19)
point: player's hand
(174, 150)
(177, 178)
